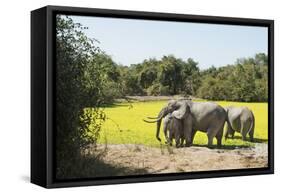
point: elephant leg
(210, 141)
(251, 134)
(244, 131)
(193, 135)
(177, 137)
(187, 130)
(166, 135)
(232, 134)
(170, 139)
(218, 141)
(219, 136)
(182, 141)
(181, 137)
(178, 141)
(210, 136)
(227, 131)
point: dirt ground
(169, 159)
(155, 98)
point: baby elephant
(175, 128)
(242, 120)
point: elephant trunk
(162, 113)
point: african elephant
(207, 117)
(174, 128)
(240, 119)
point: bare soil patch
(170, 160)
(155, 98)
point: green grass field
(125, 125)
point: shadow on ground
(224, 147)
(232, 147)
(256, 140)
(91, 167)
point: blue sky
(130, 41)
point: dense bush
(79, 85)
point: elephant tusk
(150, 121)
(152, 117)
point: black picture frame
(43, 87)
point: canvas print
(144, 97)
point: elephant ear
(181, 112)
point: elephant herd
(183, 118)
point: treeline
(246, 80)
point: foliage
(129, 82)
(79, 85)
(167, 76)
(125, 124)
(244, 81)
(110, 77)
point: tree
(244, 87)
(108, 67)
(261, 59)
(170, 73)
(78, 86)
(244, 81)
(190, 77)
(111, 80)
(148, 74)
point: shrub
(79, 85)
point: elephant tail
(252, 128)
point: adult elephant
(207, 117)
(240, 119)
